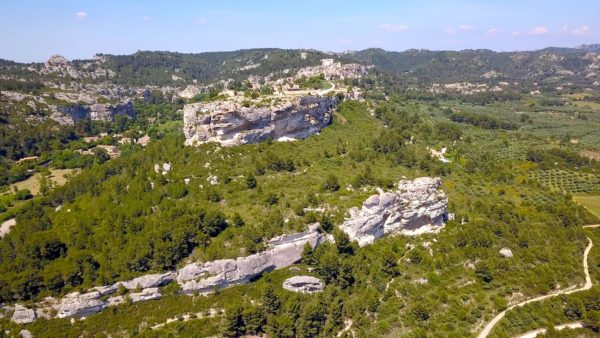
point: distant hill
(425, 66)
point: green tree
(270, 301)
(331, 183)
(233, 323)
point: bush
(23, 195)
(331, 183)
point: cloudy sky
(34, 30)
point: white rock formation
(506, 253)
(284, 251)
(230, 124)
(335, 70)
(162, 169)
(304, 284)
(6, 225)
(25, 334)
(416, 207)
(23, 315)
(69, 114)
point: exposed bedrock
(97, 112)
(416, 207)
(230, 124)
(284, 251)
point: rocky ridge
(230, 124)
(417, 206)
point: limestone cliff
(228, 123)
(96, 112)
(416, 207)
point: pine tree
(270, 302)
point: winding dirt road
(588, 285)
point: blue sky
(34, 30)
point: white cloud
(492, 31)
(344, 42)
(539, 30)
(81, 15)
(394, 28)
(146, 18)
(466, 28)
(449, 30)
(515, 33)
(581, 30)
(201, 21)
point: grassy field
(58, 177)
(592, 203)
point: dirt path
(588, 285)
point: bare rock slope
(416, 207)
(230, 124)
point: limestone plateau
(418, 206)
(229, 123)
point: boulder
(416, 207)
(229, 124)
(283, 251)
(6, 226)
(23, 315)
(506, 253)
(79, 305)
(25, 334)
(304, 284)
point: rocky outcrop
(335, 70)
(23, 315)
(416, 207)
(228, 123)
(304, 284)
(284, 251)
(6, 226)
(196, 277)
(96, 112)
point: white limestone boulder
(304, 284)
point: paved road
(588, 285)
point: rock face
(416, 207)
(230, 124)
(304, 284)
(23, 315)
(284, 250)
(96, 112)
